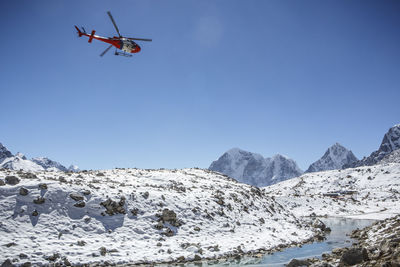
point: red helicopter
(126, 44)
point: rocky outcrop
(390, 143)
(254, 169)
(334, 158)
(4, 153)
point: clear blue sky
(288, 77)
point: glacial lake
(338, 238)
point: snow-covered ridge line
(364, 192)
(20, 162)
(137, 216)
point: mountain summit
(254, 169)
(334, 158)
(390, 143)
(4, 153)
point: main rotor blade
(113, 21)
(105, 51)
(140, 39)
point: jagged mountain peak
(335, 157)
(4, 153)
(252, 168)
(49, 164)
(390, 143)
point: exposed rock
(43, 186)
(298, 263)
(86, 192)
(35, 213)
(23, 191)
(2, 182)
(317, 223)
(113, 207)
(76, 196)
(80, 204)
(354, 256)
(39, 200)
(170, 217)
(12, 180)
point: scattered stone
(159, 244)
(134, 211)
(76, 196)
(146, 195)
(39, 200)
(181, 259)
(196, 228)
(103, 251)
(43, 186)
(86, 192)
(12, 180)
(2, 182)
(35, 213)
(53, 257)
(81, 243)
(168, 232)
(317, 223)
(23, 256)
(26, 264)
(10, 244)
(170, 217)
(23, 191)
(113, 207)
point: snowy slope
(334, 158)
(390, 142)
(20, 163)
(132, 215)
(254, 169)
(372, 192)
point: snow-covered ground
(371, 192)
(133, 215)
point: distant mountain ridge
(254, 169)
(334, 158)
(20, 162)
(390, 143)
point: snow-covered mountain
(334, 158)
(390, 142)
(254, 169)
(49, 165)
(20, 162)
(4, 153)
(137, 216)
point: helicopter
(125, 44)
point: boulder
(80, 204)
(2, 182)
(298, 263)
(23, 191)
(354, 256)
(12, 180)
(76, 196)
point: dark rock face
(334, 158)
(354, 256)
(254, 169)
(4, 153)
(390, 143)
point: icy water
(337, 238)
